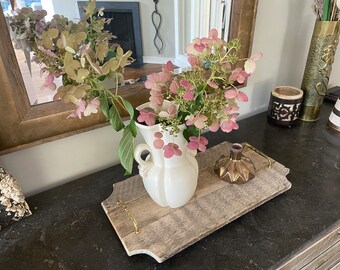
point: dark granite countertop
(69, 229)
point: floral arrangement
(203, 98)
(327, 10)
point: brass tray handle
(121, 203)
(260, 153)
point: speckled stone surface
(69, 229)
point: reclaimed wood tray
(161, 232)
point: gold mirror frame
(23, 125)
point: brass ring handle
(121, 203)
(260, 153)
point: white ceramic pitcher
(169, 181)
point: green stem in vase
(326, 6)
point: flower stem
(325, 15)
(115, 98)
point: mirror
(23, 125)
(126, 26)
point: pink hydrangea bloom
(92, 107)
(190, 49)
(215, 125)
(147, 116)
(156, 99)
(213, 34)
(207, 42)
(173, 87)
(185, 84)
(234, 108)
(171, 149)
(239, 75)
(169, 113)
(230, 94)
(165, 77)
(195, 61)
(241, 96)
(198, 121)
(154, 82)
(81, 104)
(229, 124)
(168, 67)
(250, 65)
(49, 83)
(212, 84)
(197, 143)
(234, 93)
(188, 95)
(199, 47)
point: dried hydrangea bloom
(13, 205)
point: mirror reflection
(212, 14)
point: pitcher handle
(138, 153)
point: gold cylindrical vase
(318, 67)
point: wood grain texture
(322, 253)
(166, 231)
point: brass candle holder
(236, 168)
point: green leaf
(120, 52)
(106, 68)
(48, 43)
(125, 150)
(190, 131)
(90, 7)
(133, 128)
(115, 119)
(102, 78)
(70, 50)
(104, 106)
(95, 93)
(52, 32)
(110, 54)
(182, 116)
(200, 88)
(114, 64)
(128, 107)
(198, 99)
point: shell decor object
(13, 206)
(236, 169)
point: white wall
(283, 32)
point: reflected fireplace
(125, 24)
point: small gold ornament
(235, 169)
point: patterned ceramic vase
(284, 106)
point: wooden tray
(165, 231)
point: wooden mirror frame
(23, 125)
